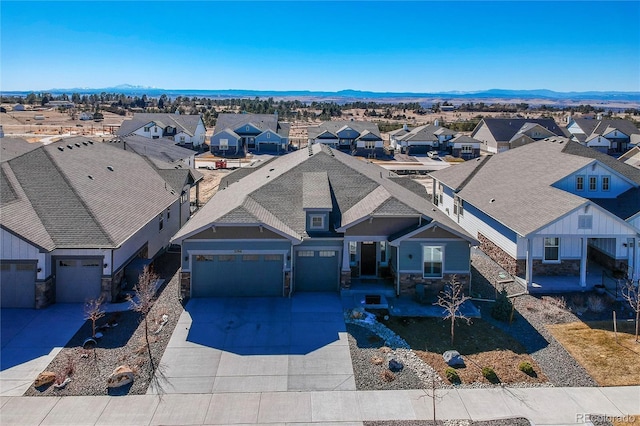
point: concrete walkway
(542, 406)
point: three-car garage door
(78, 280)
(317, 270)
(18, 284)
(237, 275)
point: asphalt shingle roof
(503, 129)
(335, 126)
(182, 122)
(226, 121)
(316, 193)
(162, 148)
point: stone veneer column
(345, 279)
(185, 285)
(45, 293)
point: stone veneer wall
(185, 285)
(106, 288)
(432, 286)
(501, 257)
(345, 279)
(606, 260)
(45, 293)
(568, 267)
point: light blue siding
(497, 226)
(456, 255)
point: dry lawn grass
(593, 345)
(480, 344)
(632, 420)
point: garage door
(317, 270)
(78, 280)
(269, 147)
(247, 275)
(18, 284)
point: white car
(432, 154)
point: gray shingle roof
(515, 187)
(335, 126)
(503, 129)
(14, 147)
(81, 194)
(161, 149)
(599, 127)
(358, 188)
(182, 122)
(261, 121)
(316, 193)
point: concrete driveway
(259, 345)
(30, 339)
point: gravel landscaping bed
(121, 345)
(516, 421)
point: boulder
(395, 365)
(122, 375)
(453, 359)
(44, 378)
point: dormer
(596, 180)
(316, 201)
(347, 132)
(247, 129)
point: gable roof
(592, 126)
(358, 189)
(183, 123)
(228, 121)
(335, 126)
(515, 187)
(503, 129)
(631, 157)
(77, 193)
(162, 149)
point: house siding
(617, 184)
(456, 255)
(381, 226)
(13, 247)
(484, 135)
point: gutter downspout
(291, 273)
(398, 272)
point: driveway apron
(223, 345)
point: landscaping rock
(44, 378)
(395, 365)
(122, 375)
(453, 359)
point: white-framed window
(160, 222)
(268, 135)
(184, 197)
(182, 139)
(273, 257)
(224, 144)
(306, 253)
(458, 206)
(605, 182)
(551, 249)
(353, 251)
(466, 149)
(383, 252)
(370, 144)
(327, 253)
(250, 257)
(593, 183)
(585, 221)
(317, 221)
(147, 129)
(579, 183)
(432, 261)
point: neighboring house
(631, 157)
(162, 149)
(549, 208)
(185, 130)
(465, 147)
(74, 214)
(361, 138)
(502, 134)
(84, 116)
(609, 135)
(312, 220)
(422, 139)
(237, 134)
(60, 104)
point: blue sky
(418, 46)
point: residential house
(550, 208)
(466, 147)
(312, 220)
(186, 130)
(162, 149)
(85, 116)
(631, 157)
(361, 138)
(502, 134)
(74, 215)
(609, 135)
(422, 139)
(237, 134)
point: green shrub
(452, 375)
(490, 375)
(503, 307)
(526, 368)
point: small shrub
(526, 368)
(452, 375)
(376, 360)
(490, 375)
(554, 302)
(502, 308)
(578, 300)
(388, 376)
(595, 304)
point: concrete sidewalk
(542, 406)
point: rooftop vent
(78, 145)
(60, 148)
(70, 146)
(271, 170)
(493, 200)
(110, 168)
(91, 142)
(85, 144)
(90, 177)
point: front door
(368, 258)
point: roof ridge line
(483, 161)
(84, 205)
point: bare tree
(631, 293)
(142, 302)
(451, 298)
(93, 311)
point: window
(90, 263)
(317, 222)
(147, 129)
(605, 182)
(160, 222)
(204, 258)
(432, 261)
(224, 144)
(268, 135)
(552, 249)
(327, 253)
(466, 149)
(305, 253)
(579, 183)
(273, 257)
(593, 183)
(383, 251)
(182, 139)
(250, 258)
(370, 144)
(226, 258)
(458, 208)
(353, 251)
(64, 263)
(184, 197)
(27, 266)
(585, 221)
(168, 213)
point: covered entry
(237, 275)
(18, 284)
(78, 279)
(317, 270)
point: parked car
(432, 154)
